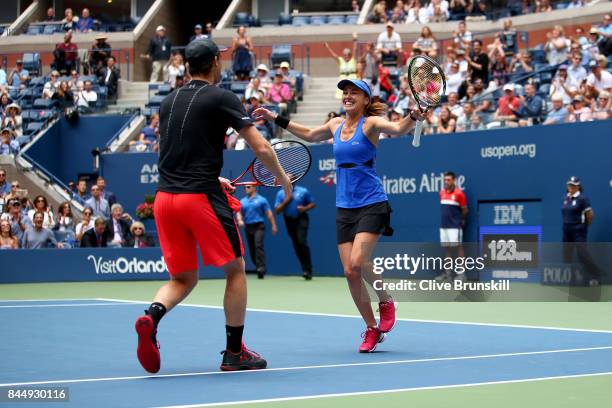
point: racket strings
(426, 81)
(294, 158)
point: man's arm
(272, 221)
(281, 204)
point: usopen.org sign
(122, 265)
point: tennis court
(81, 336)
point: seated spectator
(378, 14)
(197, 33)
(242, 61)
(578, 111)
(465, 119)
(104, 192)
(286, 71)
(397, 15)
(417, 13)
(575, 4)
(476, 123)
(5, 101)
(5, 187)
(403, 100)
(457, 10)
(13, 193)
(453, 104)
(543, 6)
(179, 82)
(98, 236)
(63, 96)
(355, 6)
(558, 114)
(149, 134)
(560, 85)
(119, 226)
(98, 54)
(264, 79)
(138, 237)
(453, 78)
(389, 44)
(13, 119)
(264, 126)
(50, 16)
(3, 82)
(576, 72)
(109, 77)
(96, 202)
(19, 222)
(51, 85)
(557, 46)
(447, 121)
(7, 239)
(209, 30)
(85, 225)
(599, 80)
(65, 221)
(507, 106)
(175, 67)
(39, 236)
(8, 144)
(531, 108)
(394, 115)
(464, 66)
(253, 88)
(85, 24)
(279, 93)
(73, 82)
(605, 32)
(19, 76)
(80, 195)
(427, 42)
(86, 98)
(370, 63)
(601, 108)
(520, 65)
(462, 37)
(438, 15)
(69, 20)
(42, 206)
(65, 55)
(430, 123)
(591, 48)
(483, 101)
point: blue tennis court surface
(90, 345)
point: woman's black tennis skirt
(374, 218)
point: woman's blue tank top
(357, 183)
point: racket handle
(416, 141)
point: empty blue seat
(336, 20)
(31, 62)
(33, 128)
(23, 140)
(43, 104)
(50, 29)
(34, 30)
(280, 53)
(241, 19)
(86, 78)
(37, 81)
(156, 100)
(544, 90)
(300, 21)
(239, 87)
(284, 19)
(164, 89)
(352, 19)
(318, 20)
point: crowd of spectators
(33, 224)
(494, 85)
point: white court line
(47, 300)
(253, 372)
(63, 305)
(395, 390)
(518, 326)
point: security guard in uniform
(577, 216)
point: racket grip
(416, 141)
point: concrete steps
(319, 100)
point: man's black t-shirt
(483, 73)
(193, 122)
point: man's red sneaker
(148, 347)
(371, 337)
(387, 316)
(244, 360)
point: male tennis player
(363, 212)
(192, 208)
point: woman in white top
(174, 68)
(85, 225)
(557, 46)
(427, 42)
(65, 222)
(41, 205)
(453, 78)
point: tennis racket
(294, 157)
(427, 83)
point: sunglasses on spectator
(40, 200)
(15, 185)
(87, 213)
(15, 204)
(137, 228)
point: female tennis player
(363, 212)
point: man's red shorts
(186, 219)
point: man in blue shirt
(97, 203)
(531, 106)
(558, 114)
(295, 212)
(255, 209)
(5, 187)
(85, 23)
(18, 76)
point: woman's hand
(416, 113)
(263, 113)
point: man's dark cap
(202, 51)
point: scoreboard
(510, 238)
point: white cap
(160, 28)
(285, 64)
(263, 67)
(509, 87)
(399, 111)
(557, 97)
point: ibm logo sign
(508, 214)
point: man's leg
(250, 234)
(260, 253)
(302, 248)
(155, 69)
